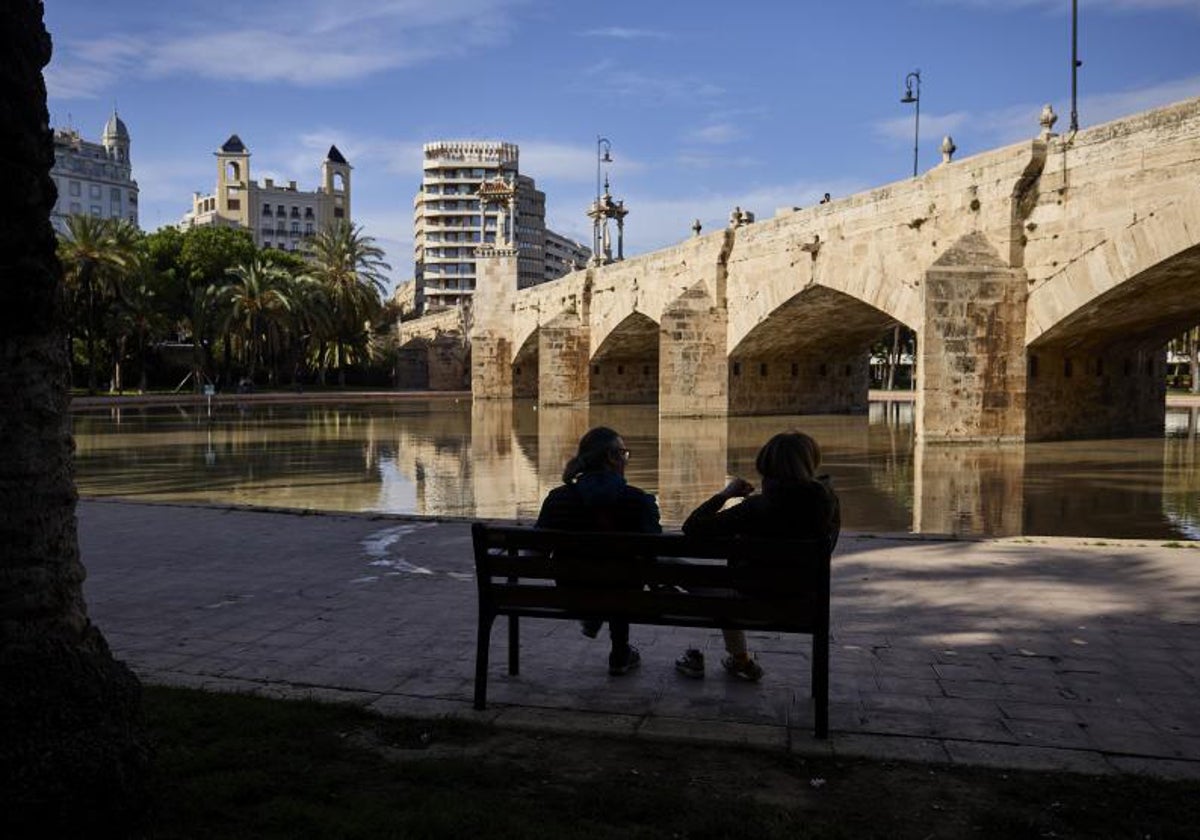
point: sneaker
(624, 664)
(691, 664)
(746, 669)
(590, 627)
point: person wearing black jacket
(795, 503)
(594, 496)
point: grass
(230, 766)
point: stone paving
(1038, 653)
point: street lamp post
(912, 94)
(603, 155)
(1075, 65)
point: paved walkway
(1041, 653)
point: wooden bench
(755, 585)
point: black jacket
(600, 501)
(785, 511)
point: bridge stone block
(491, 329)
(563, 352)
(971, 373)
(693, 372)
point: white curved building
(94, 179)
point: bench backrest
(784, 583)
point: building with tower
(277, 215)
(449, 222)
(94, 179)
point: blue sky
(707, 105)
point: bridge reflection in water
(495, 459)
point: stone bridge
(1042, 281)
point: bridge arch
(1098, 369)
(525, 367)
(624, 367)
(810, 355)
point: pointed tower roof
(336, 156)
(234, 145)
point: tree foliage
(238, 311)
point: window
(308, 228)
(234, 204)
(95, 209)
(115, 195)
(295, 212)
(266, 209)
(75, 208)
(94, 190)
(281, 210)
(338, 212)
(75, 189)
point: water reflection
(445, 457)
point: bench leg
(514, 646)
(483, 641)
(820, 683)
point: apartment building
(563, 255)
(449, 223)
(94, 179)
(277, 215)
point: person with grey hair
(795, 503)
(594, 496)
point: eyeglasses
(624, 453)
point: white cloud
(172, 181)
(627, 34)
(1099, 108)
(615, 80)
(1059, 6)
(716, 133)
(354, 39)
(901, 128)
(695, 160)
(1002, 126)
(656, 222)
(86, 69)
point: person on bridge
(795, 503)
(594, 496)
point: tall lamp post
(1075, 65)
(912, 94)
(603, 155)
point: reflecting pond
(449, 457)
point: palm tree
(351, 268)
(93, 252)
(72, 756)
(138, 314)
(258, 302)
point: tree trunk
(72, 753)
(893, 358)
(141, 361)
(1194, 358)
